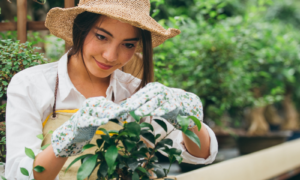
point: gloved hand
(156, 99)
(69, 138)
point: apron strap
(55, 94)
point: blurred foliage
(233, 54)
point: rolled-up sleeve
(176, 136)
(23, 124)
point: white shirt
(31, 98)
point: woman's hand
(68, 139)
(156, 99)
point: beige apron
(53, 123)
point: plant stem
(153, 151)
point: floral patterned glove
(156, 99)
(68, 139)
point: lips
(103, 66)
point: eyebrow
(101, 29)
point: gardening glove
(69, 138)
(156, 99)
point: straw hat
(135, 12)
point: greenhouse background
(241, 57)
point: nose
(111, 53)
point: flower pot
(250, 144)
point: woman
(106, 35)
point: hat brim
(60, 22)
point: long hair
(84, 22)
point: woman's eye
(100, 37)
(129, 46)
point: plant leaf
(24, 172)
(129, 144)
(178, 158)
(135, 176)
(149, 136)
(167, 141)
(192, 136)
(111, 155)
(148, 125)
(99, 142)
(39, 169)
(135, 117)
(183, 121)
(87, 146)
(159, 173)
(50, 132)
(87, 167)
(196, 121)
(157, 136)
(162, 124)
(103, 169)
(40, 136)
(77, 159)
(133, 127)
(29, 153)
(45, 146)
(104, 130)
(3, 178)
(132, 163)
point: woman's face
(109, 45)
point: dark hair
(84, 22)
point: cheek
(126, 57)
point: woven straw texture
(135, 12)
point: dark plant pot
(295, 135)
(189, 167)
(250, 144)
(226, 141)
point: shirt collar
(118, 82)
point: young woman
(105, 35)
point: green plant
(14, 57)
(132, 159)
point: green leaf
(178, 158)
(114, 121)
(45, 146)
(39, 169)
(104, 130)
(192, 136)
(162, 124)
(99, 142)
(183, 121)
(111, 155)
(3, 178)
(87, 167)
(196, 121)
(167, 141)
(24, 172)
(149, 136)
(157, 136)
(143, 170)
(50, 132)
(132, 163)
(159, 173)
(40, 136)
(88, 146)
(129, 144)
(29, 153)
(148, 125)
(135, 117)
(102, 169)
(135, 176)
(77, 159)
(133, 127)
(113, 132)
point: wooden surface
(22, 20)
(265, 164)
